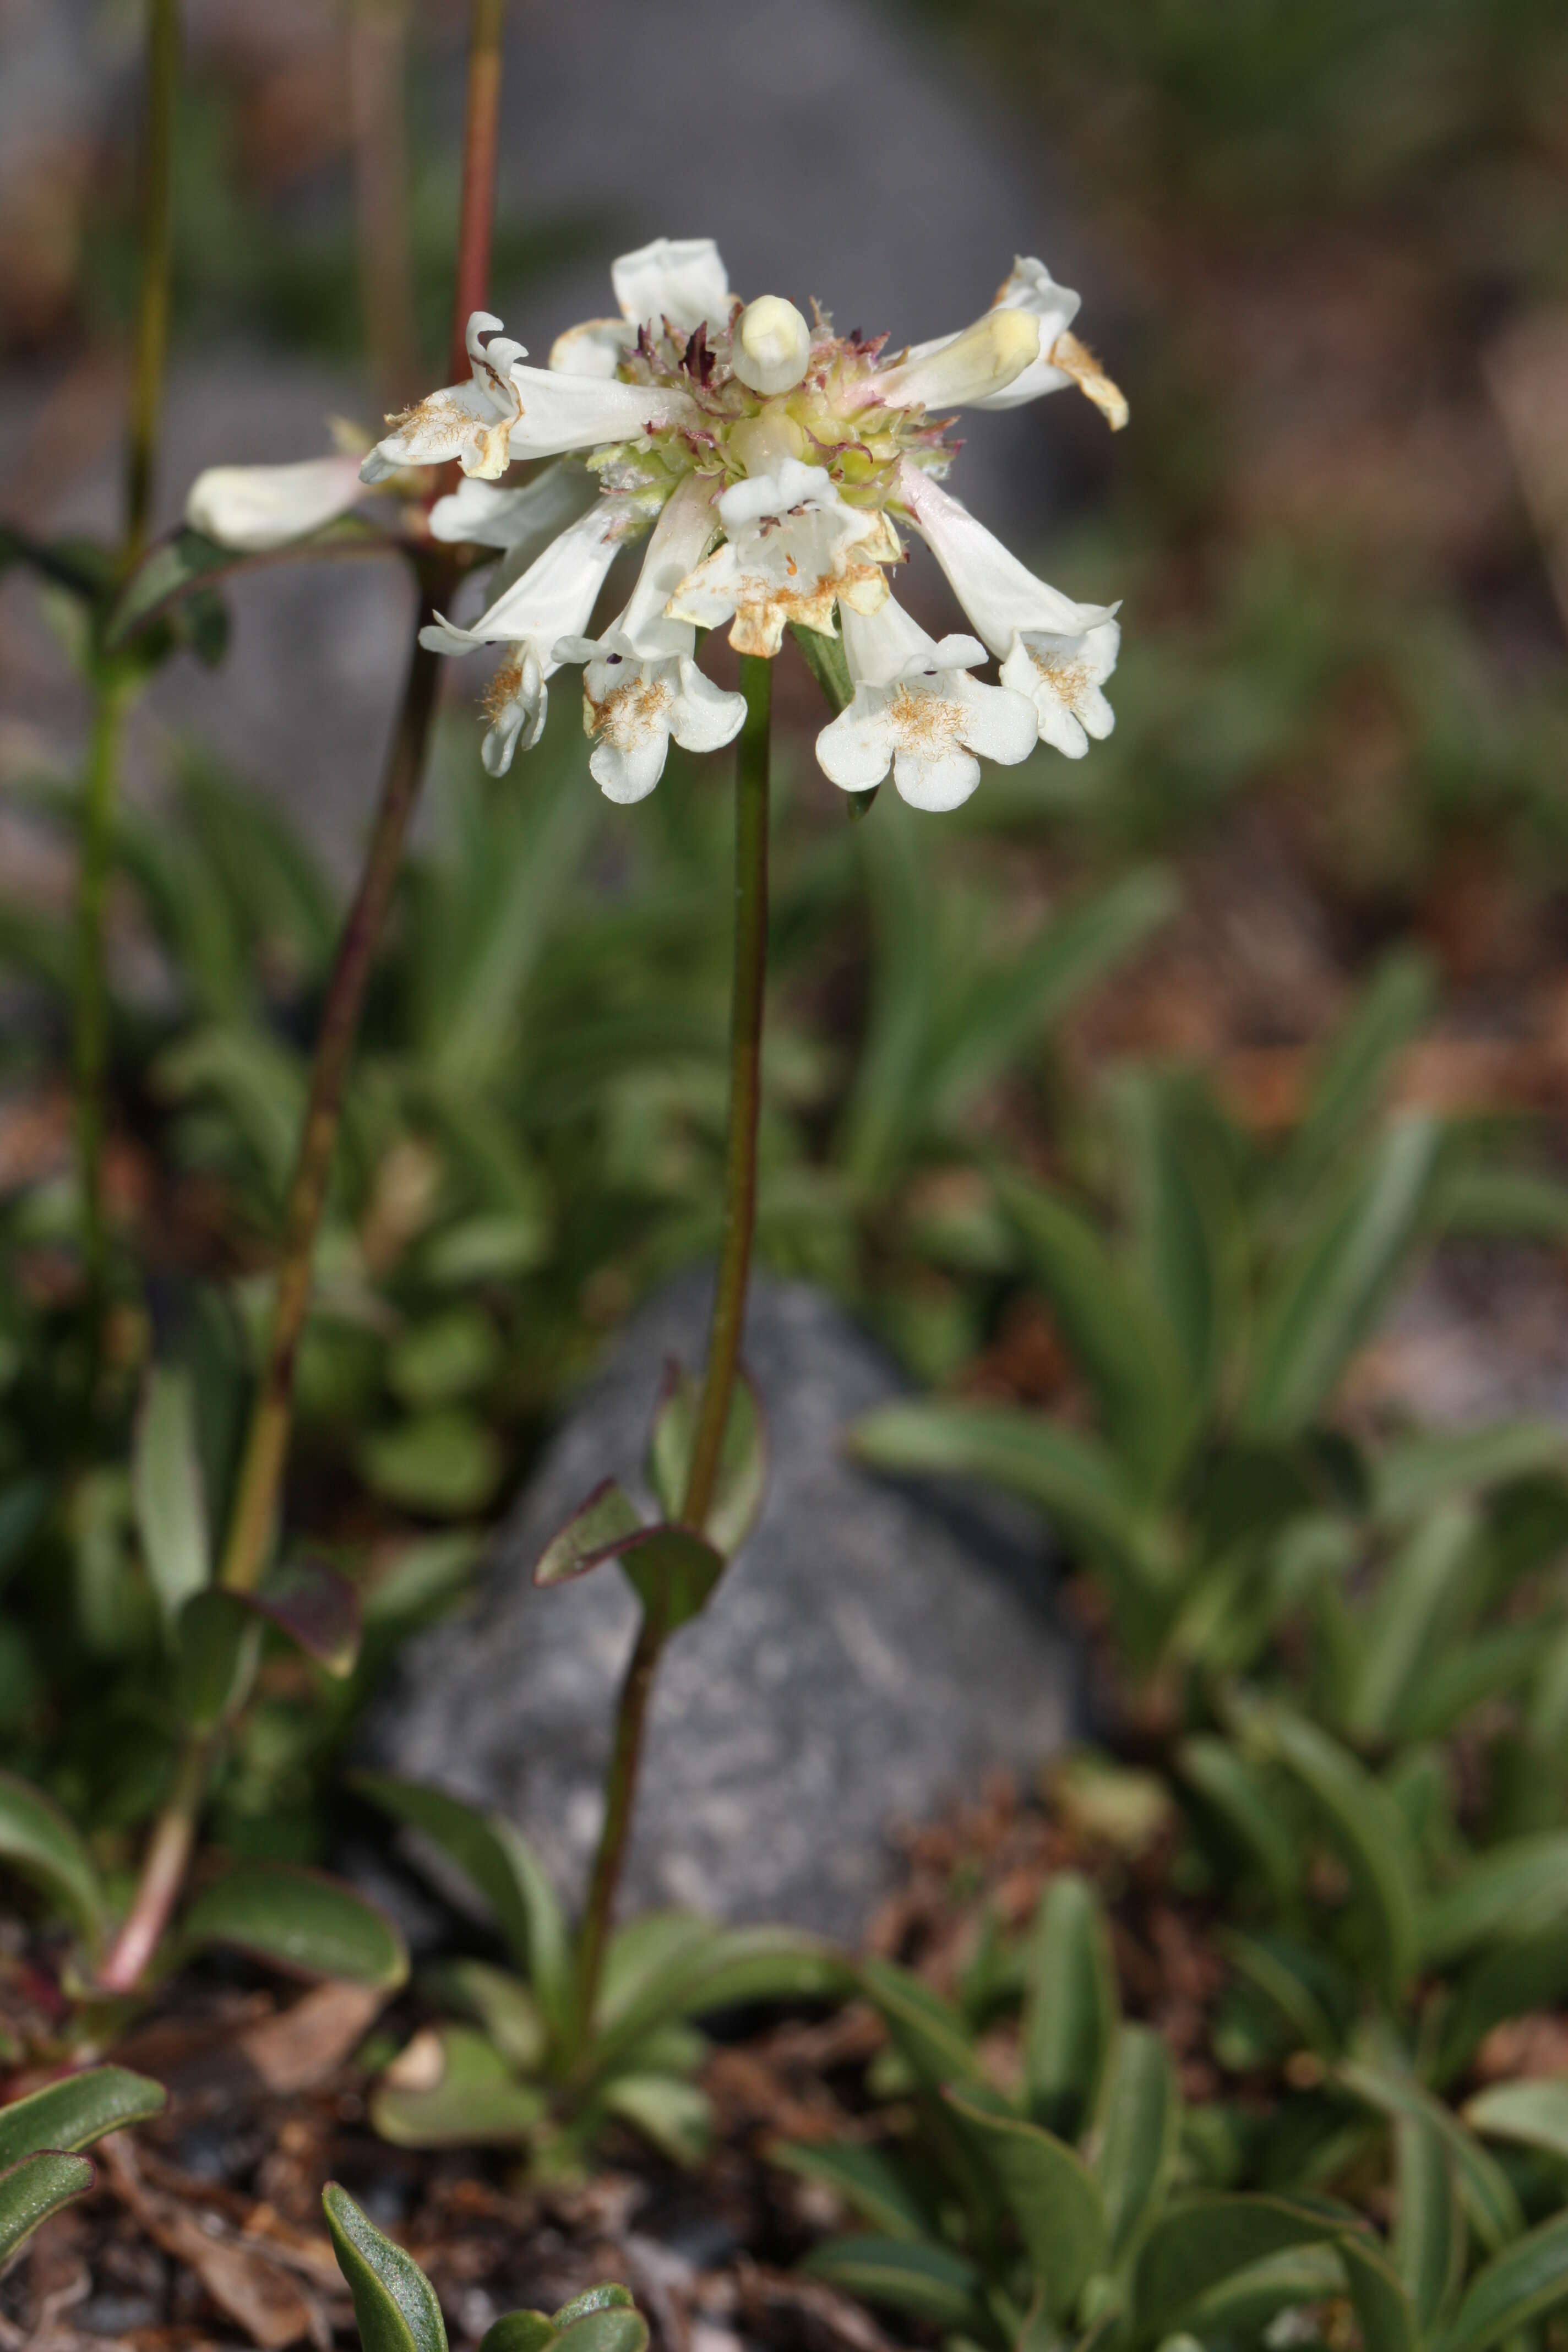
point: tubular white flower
(470, 422)
(771, 345)
(917, 710)
(254, 507)
(791, 549)
(480, 515)
(1062, 359)
(641, 685)
(682, 280)
(554, 598)
(966, 371)
(1058, 652)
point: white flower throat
(777, 466)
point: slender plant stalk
(255, 1511)
(163, 1869)
(378, 59)
(112, 688)
(748, 987)
(157, 241)
(267, 1437)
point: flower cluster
(774, 468)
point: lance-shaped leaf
(503, 1868)
(1365, 1826)
(673, 1571)
(1137, 2137)
(1335, 1282)
(1210, 2239)
(1533, 2113)
(590, 1536)
(42, 1847)
(864, 2179)
(667, 1965)
(1430, 2226)
(394, 2303)
(319, 1611)
(927, 2031)
(1051, 2194)
(1119, 1338)
(300, 1919)
(71, 2114)
(167, 1482)
(1518, 2287)
(453, 2088)
(34, 2189)
(1383, 2305)
(215, 1642)
(1241, 1796)
(1514, 1891)
(926, 2281)
(743, 1457)
(1488, 2193)
(1069, 2004)
(188, 563)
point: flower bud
(772, 345)
(984, 359)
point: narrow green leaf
(1429, 2229)
(1071, 953)
(1355, 1077)
(504, 1870)
(672, 1964)
(34, 2189)
(927, 2031)
(1366, 1827)
(863, 2177)
(1052, 2195)
(451, 2087)
(42, 1847)
(1239, 1795)
(1515, 1890)
(825, 658)
(673, 2116)
(926, 2281)
(1073, 1479)
(186, 564)
(608, 2330)
(1535, 2113)
(216, 1641)
(742, 1459)
(166, 1481)
(1508, 1204)
(608, 2297)
(673, 1571)
(394, 2303)
(300, 1919)
(1488, 2196)
(1189, 1239)
(1508, 1981)
(317, 1610)
(1118, 1337)
(1335, 1282)
(1413, 1473)
(1069, 2005)
(519, 2331)
(888, 1099)
(1209, 2239)
(1418, 1604)
(590, 1535)
(71, 2114)
(1383, 2308)
(1136, 2138)
(1516, 2287)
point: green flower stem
(164, 1871)
(111, 686)
(90, 1040)
(157, 239)
(254, 1516)
(749, 974)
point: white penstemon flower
(778, 465)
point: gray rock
(872, 1651)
